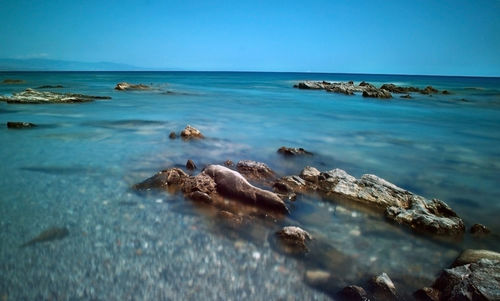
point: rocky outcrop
(398, 204)
(215, 182)
(478, 229)
(30, 96)
(9, 81)
(293, 151)
(255, 171)
(20, 125)
(190, 132)
(123, 86)
(293, 239)
(347, 88)
(472, 256)
(383, 288)
(399, 90)
(429, 90)
(377, 93)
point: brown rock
(172, 135)
(427, 294)
(199, 196)
(293, 239)
(123, 86)
(191, 133)
(253, 170)
(190, 165)
(162, 179)
(479, 229)
(228, 163)
(293, 151)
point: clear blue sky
(451, 37)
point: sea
(76, 169)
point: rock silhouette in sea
(50, 87)
(31, 96)
(20, 125)
(124, 86)
(399, 205)
(293, 151)
(48, 235)
(190, 132)
(10, 81)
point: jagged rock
(397, 89)
(202, 182)
(312, 85)
(9, 81)
(190, 132)
(429, 90)
(172, 135)
(344, 88)
(230, 219)
(293, 239)
(379, 93)
(383, 288)
(232, 184)
(123, 86)
(190, 165)
(20, 125)
(293, 151)
(472, 256)
(253, 170)
(353, 293)
(474, 281)
(363, 84)
(479, 229)
(427, 294)
(30, 96)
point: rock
(380, 93)
(199, 196)
(190, 165)
(190, 132)
(228, 163)
(199, 183)
(9, 81)
(353, 293)
(48, 235)
(429, 90)
(123, 86)
(162, 179)
(479, 229)
(293, 239)
(293, 151)
(427, 294)
(446, 92)
(20, 125)
(50, 87)
(474, 281)
(472, 256)
(230, 219)
(397, 89)
(233, 185)
(383, 288)
(407, 96)
(363, 84)
(311, 85)
(310, 174)
(253, 170)
(30, 96)
(172, 135)
(344, 88)
(317, 277)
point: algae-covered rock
(31, 96)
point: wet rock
(172, 135)
(383, 288)
(228, 163)
(317, 277)
(474, 281)
(123, 86)
(253, 170)
(293, 151)
(379, 93)
(230, 219)
(10, 81)
(344, 88)
(199, 196)
(190, 132)
(199, 183)
(310, 174)
(50, 87)
(233, 185)
(293, 239)
(20, 125)
(48, 235)
(427, 294)
(312, 85)
(429, 90)
(190, 165)
(446, 92)
(479, 229)
(471, 256)
(30, 96)
(162, 179)
(397, 89)
(407, 96)
(363, 83)
(353, 293)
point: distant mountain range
(60, 65)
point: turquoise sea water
(77, 167)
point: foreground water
(77, 167)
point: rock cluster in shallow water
(31, 96)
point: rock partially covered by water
(353, 293)
(472, 256)
(429, 90)
(479, 229)
(312, 85)
(190, 165)
(399, 90)
(10, 81)
(383, 288)
(30, 96)
(256, 171)
(190, 132)
(474, 281)
(20, 125)
(123, 86)
(400, 205)
(293, 239)
(293, 151)
(377, 93)
(347, 88)
(48, 235)
(51, 87)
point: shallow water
(77, 167)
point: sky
(391, 37)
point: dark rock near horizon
(379, 93)
(124, 86)
(446, 92)
(407, 96)
(9, 81)
(429, 90)
(50, 87)
(31, 96)
(293, 151)
(399, 90)
(20, 125)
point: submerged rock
(20, 125)
(172, 135)
(479, 229)
(317, 277)
(293, 239)
(30, 96)
(190, 132)
(293, 151)
(123, 86)
(48, 235)
(472, 256)
(10, 81)
(407, 96)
